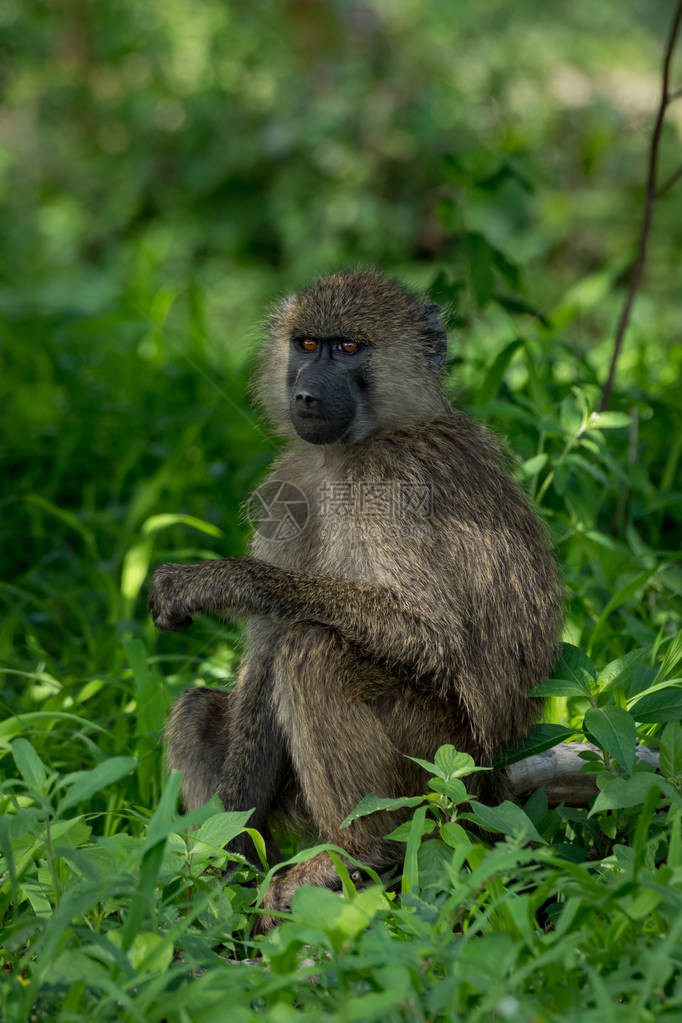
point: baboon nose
(306, 400)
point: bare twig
(667, 185)
(558, 771)
(638, 269)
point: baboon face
(353, 353)
(329, 388)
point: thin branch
(667, 185)
(638, 269)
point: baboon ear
(434, 335)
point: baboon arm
(417, 642)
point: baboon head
(351, 354)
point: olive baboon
(416, 606)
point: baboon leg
(256, 768)
(197, 739)
(339, 751)
(230, 743)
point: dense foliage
(167, 170)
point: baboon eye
(349, 347)
(309, 344)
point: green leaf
(29, 765)
(619, 598)
(672, 656)
(149, 692)
(370, 804)
(530, 468)
(157, 522)
(619, 672)
(671, 750)
(448, 763)
(493, 378)
(539, 739)
(641, 681)
(165, 821)
(608, 420)
(81, 785)
(221, 828)
(454, 835)
(614, 730)
(665, 705)
(620, 793)
(453, 788)
(505, 819)
(410, 879)
(135, 568)
(560, 687)
(572, 676)
(148, 952)
(451, 764)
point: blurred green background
(168, 170)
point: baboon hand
(170, 597)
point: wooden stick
(557, 770)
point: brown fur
(363, 649)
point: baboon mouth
(317, 429)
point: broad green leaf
(370, 804)
(665, 705)
(608, 420)
(454, 835)
(81, 785)
(571, 677)
(220, 828)
(569, 416)
(453, 788)
(619, 793)
(29, 765)
(451, 764)
(539, 739)
(614, 730)
(561, 687)
(165, 821)
(671, 750)
(148, 952)
(642, 680)
(619, 672)
(530, 468)
(507, 819)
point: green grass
(114, 906)
(167, 172)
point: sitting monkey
(413, 603)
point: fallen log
(557, 770)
